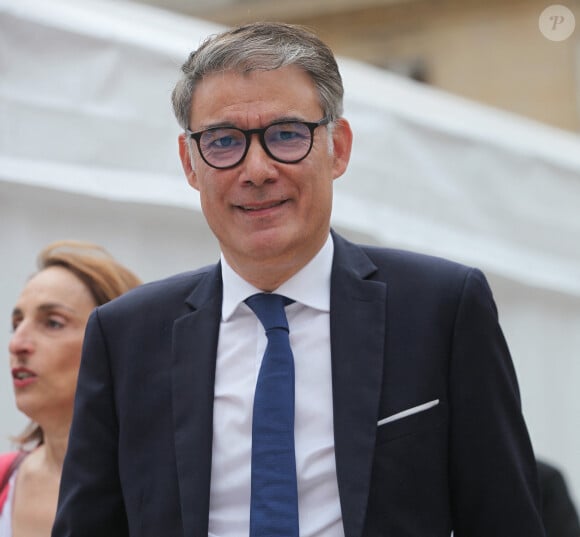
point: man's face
(266, 213)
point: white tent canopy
(88, 150)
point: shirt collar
(309, 286)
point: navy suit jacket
(406, 330)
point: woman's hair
(261, 46)
(105, 279)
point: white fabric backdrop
(88, 151)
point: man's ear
(342, 145)
(185, 156)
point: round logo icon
(557, 23)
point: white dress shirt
(240, 349)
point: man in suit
(407, 411)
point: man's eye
(224, 141)
(221, 139)
(288, 135)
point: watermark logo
(557, 23)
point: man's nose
(258, 166)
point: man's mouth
(261, 206)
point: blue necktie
(274, 499)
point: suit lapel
(357, 330)
(195, 337)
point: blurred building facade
(491, 51)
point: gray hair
(261, 46)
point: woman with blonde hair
(48, 324)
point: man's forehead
(252, 76)
(256, 97)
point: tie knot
(269, 308)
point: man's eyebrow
(287, 119)
(230, 125)
(219, 125)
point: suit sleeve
(90, 500)
(493, 480)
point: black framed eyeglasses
(285, 141)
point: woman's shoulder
(6, 459)
(8, 463)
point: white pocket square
(408, 412)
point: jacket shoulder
(393, 261)
(156, 295)
(408, 273)
(415, 263)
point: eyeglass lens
(287, 142)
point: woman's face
(48, 323)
